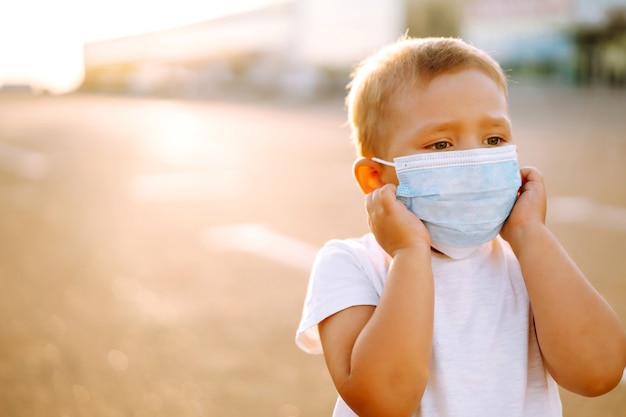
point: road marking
(584, 210)
(259, 239)
(23, 162)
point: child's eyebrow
(436, 127)
(496, 121)
(486, 121)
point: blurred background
(168, 170)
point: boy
(430, 313)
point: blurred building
(194, 60)
(300, 48)
(581, 41)
(306, 48)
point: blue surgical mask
(462, 197)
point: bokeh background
(168, 170)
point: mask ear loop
(382, 161)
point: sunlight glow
(41, 42)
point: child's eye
(493, 141)
(440, 146)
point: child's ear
(367, 173)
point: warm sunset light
(41, 42)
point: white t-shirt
(485, 357)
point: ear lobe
(367, 174)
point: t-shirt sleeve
(343, 275)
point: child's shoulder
(363, 247)
(362, 252)
(364, 242)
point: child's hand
(530, 207)
(393, 225)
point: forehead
(468, 90)
(457, 85)
(467, 98)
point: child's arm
(378, 357)
(581, 338)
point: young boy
(460, 302)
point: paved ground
(154, 253)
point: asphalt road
(154, 254)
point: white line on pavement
(261, 240)
(23, 162)
(584, 210)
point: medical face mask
(462, 197)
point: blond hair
(407, 63)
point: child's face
(455, 111)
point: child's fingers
(387, 197)
(381, 199)
(371, 200)
(531, 203)
(372, 205)
(530, 174)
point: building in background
(299, 48)
(195, 60)
(307, 48)
(579, 41)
